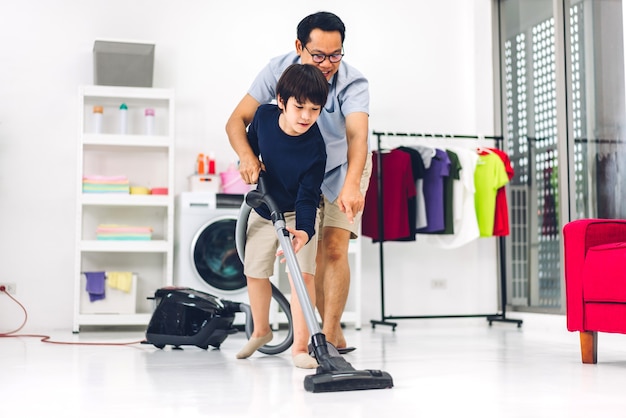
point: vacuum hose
(240, 244)
(241, 229)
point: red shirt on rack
(398, 188)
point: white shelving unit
(147, 161)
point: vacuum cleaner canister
(185, 316)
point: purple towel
(95, 285)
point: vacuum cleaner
(184, 316)
(334, 373)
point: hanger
(483, 150)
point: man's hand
(351, 201)
(249, 169)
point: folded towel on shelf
(99, 178)
(123, 228)
(106, 184)
(106, 189)
(121, 280)
(95, 285)
(123, 232)
(124, 237)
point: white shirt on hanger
(464, 211)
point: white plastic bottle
(123, 119)
(97, 119)
(149, 113)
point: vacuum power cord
(46, 338)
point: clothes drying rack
(491, 317)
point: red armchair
(595, 280)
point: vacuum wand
(303, 295)
(334, 372)
(256, 198)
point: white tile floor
(441, 368)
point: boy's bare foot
(253, 344)
(304, 361)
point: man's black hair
(326, 21)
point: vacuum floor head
(338, 381)
(335, 374)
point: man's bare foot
(336, 338)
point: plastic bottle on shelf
(210, 159)
(123, 119)
(97, 119)
(149, 113)
(200, 164)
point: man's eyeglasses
(319, 58)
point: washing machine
(205, 255)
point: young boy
(288, 141)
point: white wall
(428, 64)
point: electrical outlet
(10, 287)
(438, 283)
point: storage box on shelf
(147, 162)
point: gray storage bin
(123, 63)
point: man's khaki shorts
(262, 243)
(330, 215)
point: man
(344, 125)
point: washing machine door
(215, 255)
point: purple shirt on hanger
(433, 192)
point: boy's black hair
(326, 21)
(303, 82)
